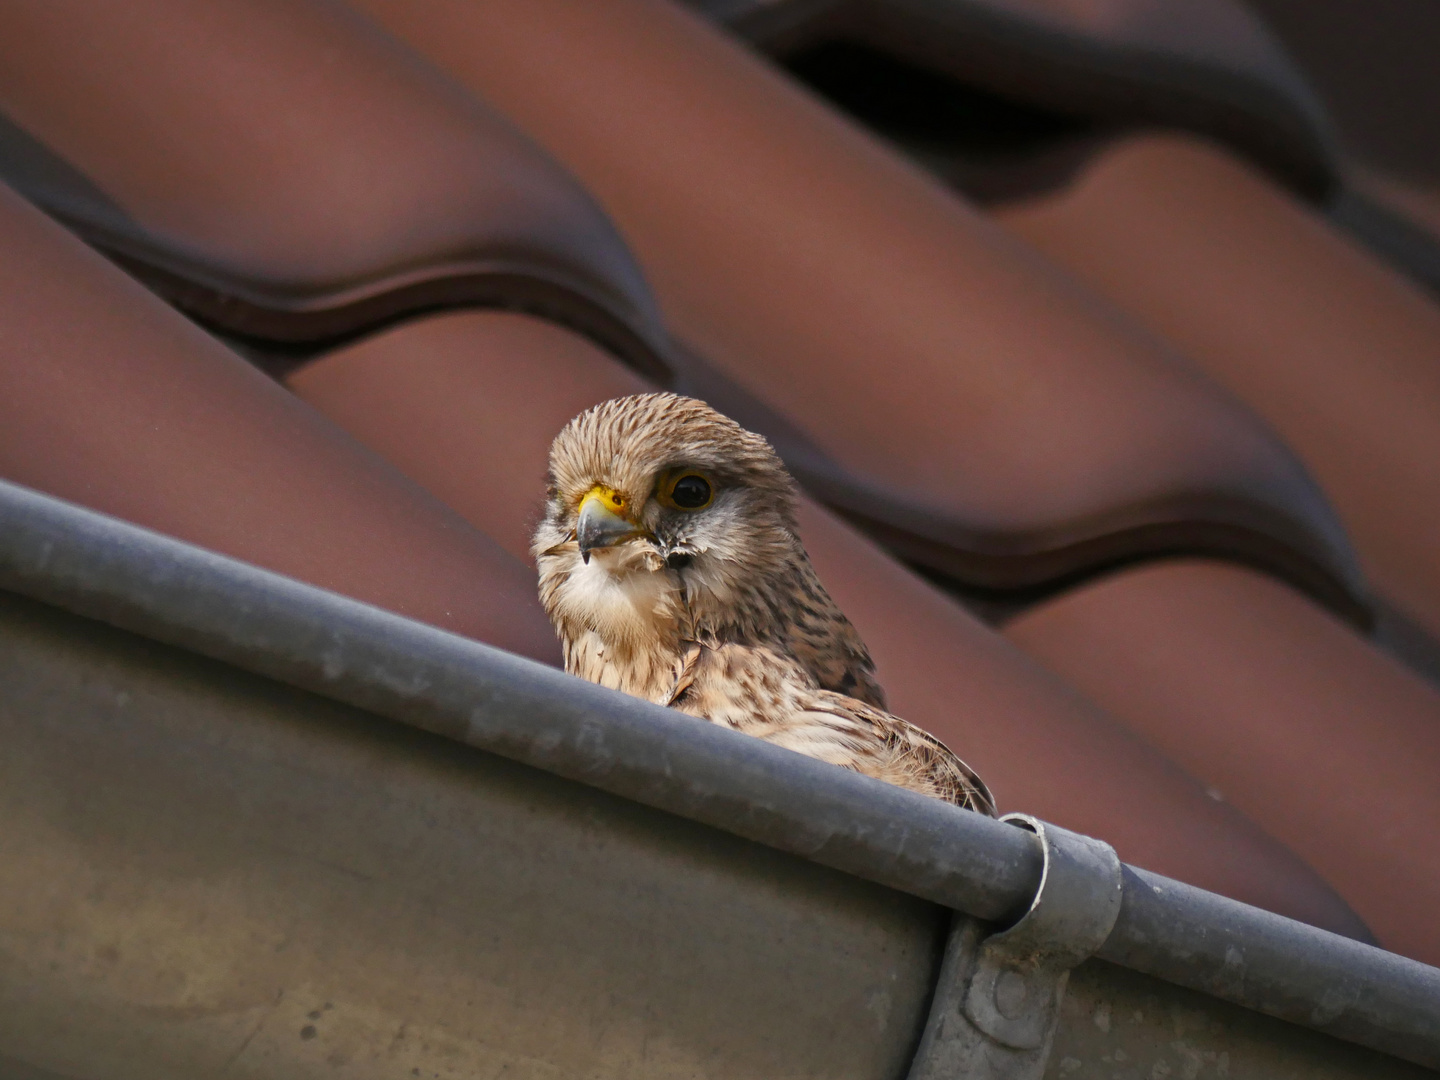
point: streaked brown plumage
(671, 566)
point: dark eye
(691, 492)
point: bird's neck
(744, 611)
(634, 632)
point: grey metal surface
(264, 623)
(1277, 966)
(997, 1000)
(255, 621)
(204, 873)
(1116, 1024)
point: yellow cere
(608, 497)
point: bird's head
(659, 495)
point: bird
(671, 566)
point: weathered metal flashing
(119, 574)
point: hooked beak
(599, 525)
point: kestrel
(672, 568)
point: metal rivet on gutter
(998, 998)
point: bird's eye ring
(687, 491)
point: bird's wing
(760, 692)
(826, 644)
(882, 745)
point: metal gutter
(128, 577)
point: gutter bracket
(997, 1000)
